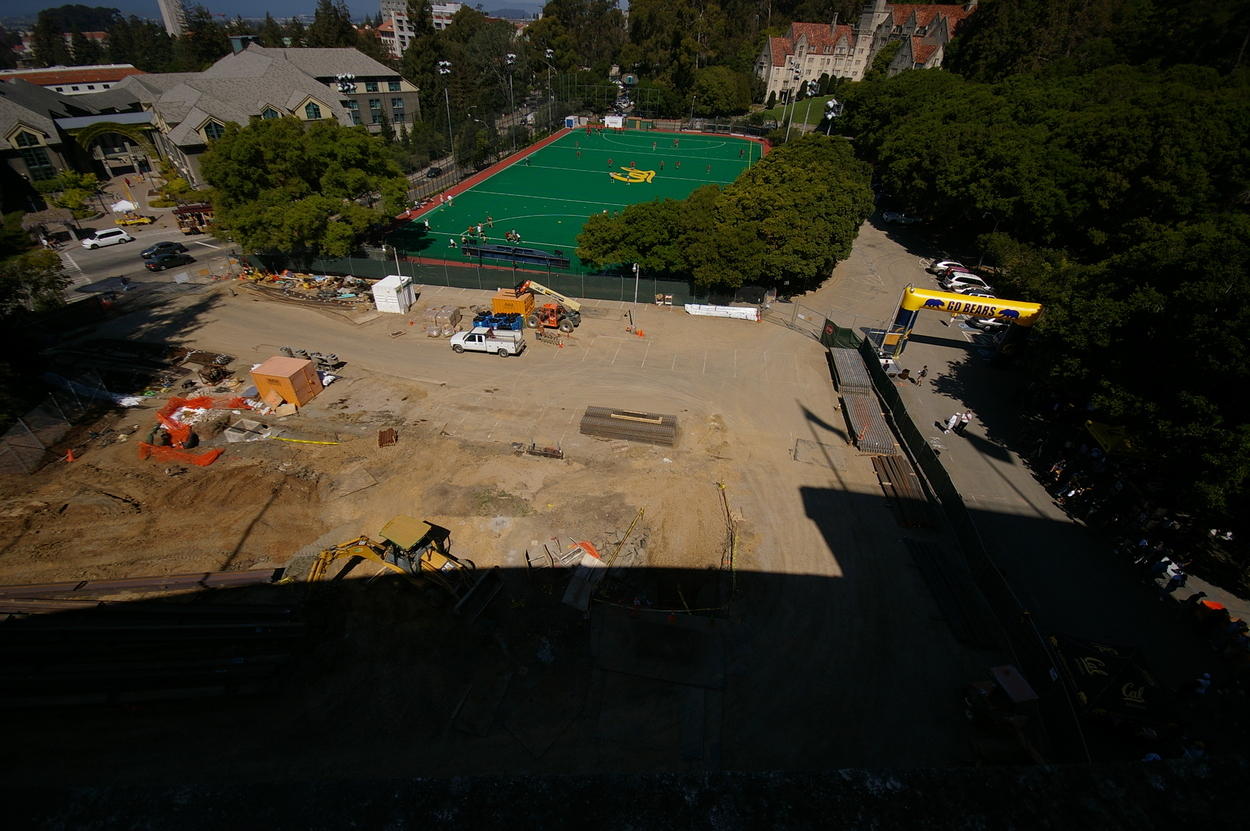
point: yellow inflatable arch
(917, 300)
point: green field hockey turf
(546, 195)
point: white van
(109, 236)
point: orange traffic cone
(69, 455)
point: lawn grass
(808, 111)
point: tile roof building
(179, 113)
(192, 108)
(74, 80)
(842, 50)
(37, 127)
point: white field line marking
(643, 365)
(614, 354)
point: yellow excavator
(414, 549)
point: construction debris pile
(316, 289)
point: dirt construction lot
(832, 652)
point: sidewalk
(1064, 574)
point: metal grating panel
(870, 430)
(850, 372)
(609, 423)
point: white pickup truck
(501, 342)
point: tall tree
(296, 33)
(203, 42)
(32, 282)
(279, 185)
(332, 25)
(83, 50)
(47, 43)
(271, 33)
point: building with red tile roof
(842, 50)
(74, 80)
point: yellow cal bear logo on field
(633, 175)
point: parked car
(963, 283)
(896, 218)
(943, 265)
(162, 248)
(109, 236)
(433, 173)
(987, 324)
(163, 261)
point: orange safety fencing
(180, 433)
(173, 454)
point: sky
(229, 8)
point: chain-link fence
(28, 443)
(489, 276)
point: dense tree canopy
(308, 191)
(1116, 197)
(1007, 37)
(785, 223)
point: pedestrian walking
(631, 165)
(922, 374)
(709, 168)
(609, 161)
(490, 221)
(951, 422)
(579, 154)
(451, 243)
(653, 146)
(677, 164)
(964, 420)
(527, 161)
(449, 198)
(741, 152)
(676, 143)
(479, 229)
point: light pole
(811, 90)
(444, 68)
(510, 64)
(509, 61)
(550, 54)
(636, 271)
(833, 109)
(798, 74)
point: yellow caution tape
(302, 441)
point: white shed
(394, 293)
